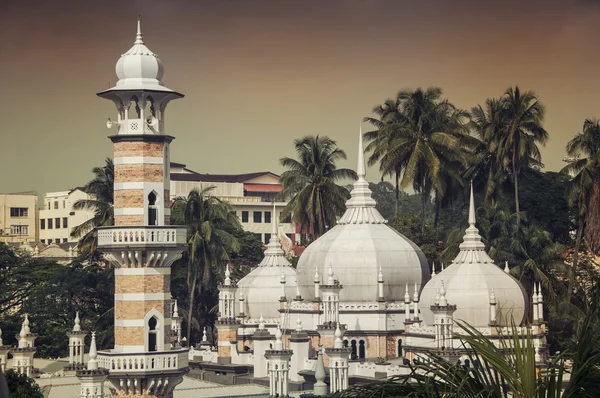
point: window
(49, 223)
(19, 211)
(42, 224)
(152, 211)
(152, 323)
(267, 217)
(49, 241)
(48, 206)
(65, 222)
(244, 216)
(56, 204)
(43, 241)
(267, 238)
(57, 222)
(64, 240)
(19, 229)
(257, 216)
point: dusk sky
(258, 74)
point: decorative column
(23, 353)
(76, 344)
(4, 349)
(540, 304)
(407, 320)
(320, 388)
(338, 363)
(278, 368)
(380, 297)
(92, 379)
(262, 342)
(493, 310)
(175, 326)
(242, 312)
(300, 345)
(534, 301)
(331, 299)
(317, 281)
(443, 320)
(416, 305)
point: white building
(251, 195)
(57, 217)
(18, 217)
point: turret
(76, 344)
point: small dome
(359, 247)
(469, 282)
(139, 68)
(262, 286)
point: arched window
(399, 348)
(362, 349)
(354, 353)
(152, 323)
(152, 210)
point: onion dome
(470, 281)
(358, 247)
(262, 286)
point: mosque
(360, 305)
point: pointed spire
(330, 278)
(472, 208)
(227, 276)
(317, 276)
(416, 294)
(261, 322)
(298, 323)
(26, 324)
(204, 336)
(77, 327)
(320, 388)
(274, 255)
(493, 297)
(443, 300)
(540, 297)
(433, 270)
(93, 363)
(472, 249)
(406, 295)
(360, 167)
(380, 275)
(278, 343)
(338, 343)
(138, 37)
(274, 232)
(506, 269)
(175, 310)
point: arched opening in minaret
(399, 348)
(362, 349)
(152, 209)
(152, 331)
(354, 352)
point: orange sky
(258, 74)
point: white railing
(141, 235)
(140, 363)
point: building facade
(18, 217)
(57, 218)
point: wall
(64, 201)
(19, 228)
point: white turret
(330, 276)
(380, 285)
(540, 303)
(493, 310)
(534, 301)
(338, 363)
(443, 300)
(227, 281)
(506, 269)
(433, 270)
(93, 363)
(406, 305)
(76, 344)
(416, 304)
(92, 378)
(278, 367)
(317, 281)
(282, 282)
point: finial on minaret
(26, 324)
(493, 297)
(227, 276)
(416, 294)
(278, 343)
(443, 300)
(204, 336)
(472, 208)
(261, 322)
(93, 363)
(433, 270)
(138, 37)
(380, 275)
(360, 167)
(506, 269)
(330, 278)
(317, 276)
(282, 276)
(298, 324)
(338, 343)
(406, 295)
(77, 327)
(175, 310)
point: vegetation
(310, 182)
(21, 386)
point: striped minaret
(142, 245)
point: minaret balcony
(173, 361)
(143, 235)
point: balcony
(143, 235)
(143, 363)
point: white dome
(469, 281)
(262, 286)
(358, 246)
(139, 68)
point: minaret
(320, 388)
(176, 326)
(4, 349)
(317, 281)
(534, 300)
(416, 304)
(76, 344)
(540, 304)
(338, 363)
(493, 309)
(443, 320)
(92, 379)
(300, 345)
(380, 297)
(261, 343)
(278, 365)
(406, 306)
(23, 353)
(330, 293)
(227, 324)
(142, 245)
(227, 296)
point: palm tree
(583, 188)
(210, 225)
(521, 120)
(100, 202)
(423, 137)
(310, 181)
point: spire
(471, 209)
(443, 301)
(433, 270)
(227, 276)
(416, 294)
(278, 343)
(298, 325)
(204, 336)
(380, 275)
(320, 388)
(274, 255)
(361, 206)
(282, 276)
(92, 363)
(539, 295)
(493, 297)
(406, 295)
(338, 343)
(261, 322)
(472, 249)
(77, 327)
(330, 278)
(317, 276)
(138, 37)
(175, 310)
(506, 269)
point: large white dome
(358, 247)
(469, 282)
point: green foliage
(21, 386)
(311, 184)
(423, 235)
(250, 252)
(384, 194)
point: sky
(258, 74)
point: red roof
(262, 187)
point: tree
(422, 234)
(210, 223)
(584, 188)
(387, 201)
(101, 191)
(521, 120)
(423, 138)
(249, 255)
(310, 183)
(22, 386)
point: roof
(232, 178)
(262, 187)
